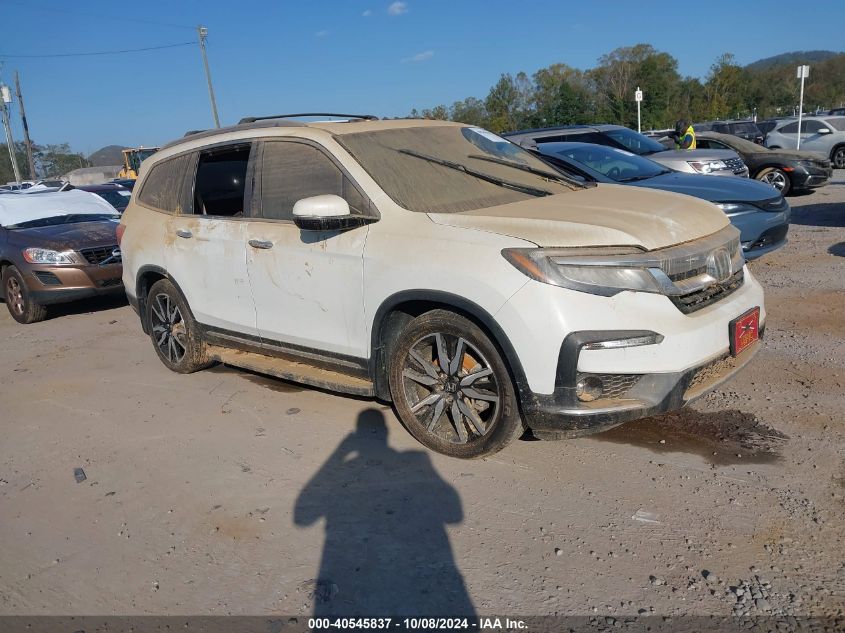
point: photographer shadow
(386, 550)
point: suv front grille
(100, 254)
(708, 296)
(735, 165)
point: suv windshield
(73, 218)
(451, 169)
(637, 143)
(616, 164)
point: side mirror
(325, 213)
(823, 130)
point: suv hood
(66, 236)
(711, 189)
(605, 215)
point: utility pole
(203, 33)
(26, 138)
(6, 95)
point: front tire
(451, 388)
(18, 300)
(838, 157)
(173, 331)
(777, 178)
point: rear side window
(812, 127)
(745, 128)
(221, 181)
(162, 187)
(792, 128)
(292, 171)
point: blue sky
(359, 56)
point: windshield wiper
(531, 170)
(638, 178)
(507, 184)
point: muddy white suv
(440, 267)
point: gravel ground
(225, 492)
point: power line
(120, 52)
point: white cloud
(322, 33)
(419, 57)
(398, 8)
(367, 13)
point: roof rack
(253, 119)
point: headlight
(736, 208)
(551, 266)
(46, 256)
(607, 271)
(707, 166)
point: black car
(785, 170)
(116, 195)
(743, 129)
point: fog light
(589, 388)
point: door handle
(184, 233)
(261, 244)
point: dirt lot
(225, 492)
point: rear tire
(173, 331)
(451, 388)
(18, 300)
(777, 178)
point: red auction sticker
(744, 331)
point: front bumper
(50, 285)
(810, 177)
(561, 415)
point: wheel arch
(399, 309)
(835, 149)
(144, 280)
(4, 264)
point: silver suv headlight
(674, 271)
(47, 256)
(707, 166)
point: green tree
(471, 111)
(502, 104)
(56, 160)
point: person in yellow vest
(683, 135)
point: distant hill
(795, 57)
(108, 155)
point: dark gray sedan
(758, 210)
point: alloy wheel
(14, 295)
(169, 328)
(839, 158)
(776, 179)
(451, 388)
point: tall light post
(638, 97)
(10, 143)
(203, 33)
(802, 74)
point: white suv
(440, 267)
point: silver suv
(825, 135)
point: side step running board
(293, 371)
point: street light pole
(203, 33)
(638, 97)
(10, 143)
(803, 73)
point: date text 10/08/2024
(317, 624)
